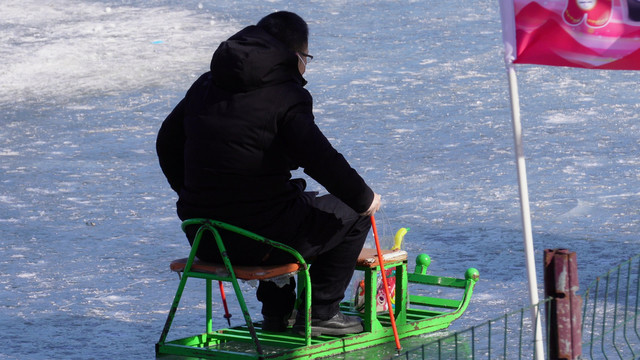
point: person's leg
(330, 236)
(336, 236)
(277, 304)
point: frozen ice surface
(414, 93)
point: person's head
(291, 30)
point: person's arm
(375, 205)
(310, 149)
(170, 147)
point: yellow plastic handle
(397, 240)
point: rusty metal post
(564, 312)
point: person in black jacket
(228, 149)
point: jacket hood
(253, 59)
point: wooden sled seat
(369, 257)
(242, 272)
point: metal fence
(610, 326)
(507, 337)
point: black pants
(331, 236)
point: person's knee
(363, 224)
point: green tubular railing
(212, 225)
(185, 346)
(610, 314)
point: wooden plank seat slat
(242, 272)
(369, 257)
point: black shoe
(339, 324)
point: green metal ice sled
(414, 314)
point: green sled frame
(414, 314)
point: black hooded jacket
(229, 146)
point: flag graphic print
(592, 34)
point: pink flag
(593, 34)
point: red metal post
(564, 312)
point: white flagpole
(525, 209)
(508, 32)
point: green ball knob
(472, 274)
(423, 260)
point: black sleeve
(309, 148)
(170, 147)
